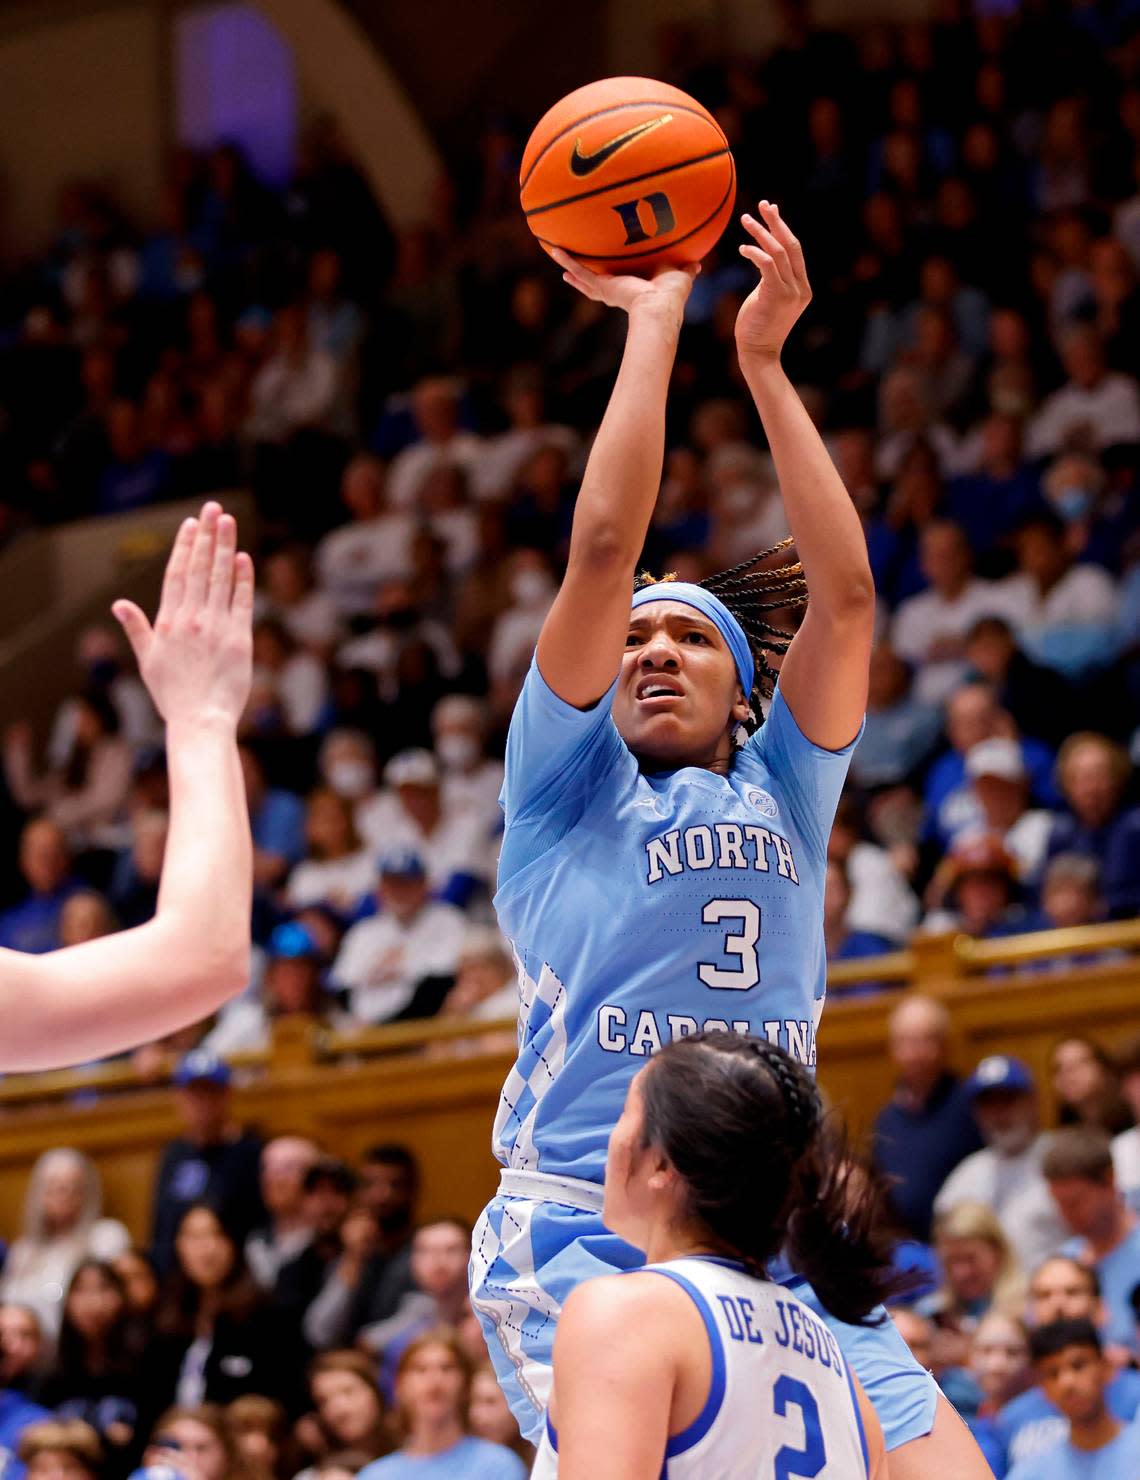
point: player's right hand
(668, 288)
(197, 659)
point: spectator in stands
(85, 795)
(927, 1127)
(95, 1376)
(193, 1438)
(974, 889)
(295, 390)
(17, 1414)
(1106, 1235)
(45, 862)
(930, 630)
(489, 1416)
(486, 979)
(258, 1432)
(1061, 1289)
(1038, 698)
(1126, 1146)
(1086, 1086)
(471, 779)
(23, 1347)
(404, 958)
(440, 1254)
(140, 1284)
(62, 1449)
(999, 791)
(435, 409)
(1070, 1365)
(135, 879)
(348, 1404)
(1005, 1175)
(433, 1385)
(285, 1161)
(308, 614)
(531, 589)
(843, 944)
(374, 547)
(62, 1226)
(999, 1367)
(213, 1159)
(85, 916)
(137, 472)
(882, 902)
(1096, 407)
(277, 821)
(980, 1273)
(347, 765)
(215, 1337)
(1094, 773)
(900, 731)
(1064, 614)
(1000, 489)
(337, 871)
(290, 685)
(101, 665)
(326, 1204)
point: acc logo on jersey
(764, 804)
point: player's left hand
(766, 316)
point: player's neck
(666, 1244)
(1096, 1433)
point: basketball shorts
(542, 1235)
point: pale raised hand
(196, 660)
(766, 316)
(667, 289)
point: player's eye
(695, 636)
(632, 639)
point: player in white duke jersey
(665, 842)
(698, 1367)
(109, 995)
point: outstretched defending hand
(667, 289)
(197, 659)
(766, 316)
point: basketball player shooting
(665, 845)
(111, 994)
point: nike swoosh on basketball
(586, 164)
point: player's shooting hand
(667, 290)
(766, 316)
(197, 658)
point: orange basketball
(627, 174)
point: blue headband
(718, 614)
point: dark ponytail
(742, 1123)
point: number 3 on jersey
(741, 944)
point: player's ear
(741, 711)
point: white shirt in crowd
(37, 1274)
(411, 466)
(378, 651)
(352, 562)
(138, 719)
(460, 842)
(1025, 841)
(921, 620)
(475, 791)
(287, 395)
(313, 621)
(514, 639)
(1126, 1163)
(381, 960)
(339, 882)
(1017, 1192)
(300, 687)
(1110, 409)
(882, 902)
(505, 456)
(1085, 595)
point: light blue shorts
(528, 1253)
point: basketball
(628, 174)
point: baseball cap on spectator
(412, 768)
(997, 757)
(293, 941)
(999, 1072)
(401, 863)
(200, 1067)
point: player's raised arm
(579, 651)
(824, 676)
(110, 994)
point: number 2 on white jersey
(741, 944)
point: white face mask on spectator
(457, 751)
(529, 587)
(351, 779)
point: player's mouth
(657, 691)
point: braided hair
(763, 1170)
(750, 594)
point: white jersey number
(741, 944)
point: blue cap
(401, 863)
(200, 1067)
(293, 942)
(1000, 1073)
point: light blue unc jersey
(781, 1401)
(643, 907)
